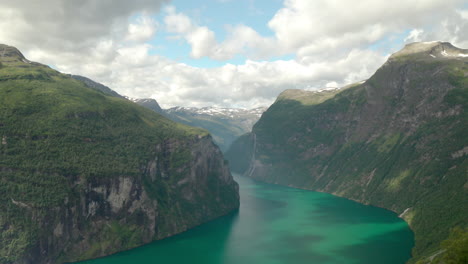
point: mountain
(85, 174)
(398, 140)
(224, 124)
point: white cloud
(76, 36)
(177, 22)
(330, 39)
(251, 84)
(202, 40)
(68, 25)
(414, 35)
(312, 27)
(452, 28)
(141, 31)
(245, 40)
(319, 29)
(463, 13)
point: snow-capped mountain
(246, 118)
(216, 111)
(224, 124)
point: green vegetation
(397, 141)
(58, 139)
(114, 235)
(454, 249)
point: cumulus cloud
(414, 35)
(316, 30)
(108, 41)
(246, 41)
(142, 30)
(75, 36)
(252, 84)
(451, 28)
(320, 29)
(67, 23)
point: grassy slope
(324, 146)
(54, 131)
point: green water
(283, 225)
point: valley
(87, 172)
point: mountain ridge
(395, 141)
(434, 49)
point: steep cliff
(398, 140)
(84, 174)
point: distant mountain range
(398, 140)
(224, 124)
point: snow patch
(462, 55)
(432, 56)
(444, 53)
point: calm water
(283, 225)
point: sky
(224, 53)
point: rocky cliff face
(397, 141)
(84, 174)
(104, 216)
